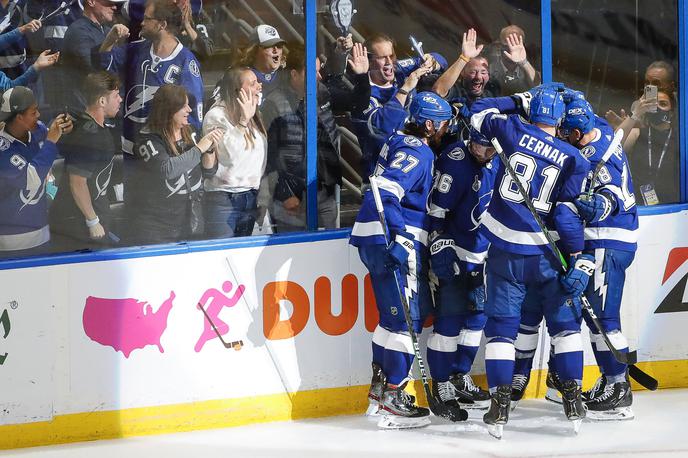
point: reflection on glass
(624, 61)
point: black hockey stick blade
(645, 379)
(440, 409)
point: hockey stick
(605, 157)
(63, 6)
(637, 374)
(436, 407)
(629, 358)
(236, 345)
(624, 358)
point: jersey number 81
(525, 167)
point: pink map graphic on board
(125, 324)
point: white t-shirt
(239, 168)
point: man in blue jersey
(27, 152)
(392, 81)
(404, 172)
(611, 236)
(463, 188)
(553, 174)
(150, 63)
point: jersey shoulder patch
(456, 154)
(4, 144)
(406, 63)
(412, 141)
(588, 151)
(193, 68)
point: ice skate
(498, 415)
(553, 393)
(613, 404)
(519, 383)
(573, 404)
(596, 390)
(377, 383)
(468, 394)
(398, 410)
(445, 392)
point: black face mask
(658, 118)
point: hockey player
(391, 82)
(27, 152)
(463, 187)
(552, 173)
(405, 174)
(611, 237)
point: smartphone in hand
(651, 95)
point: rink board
(118, 347)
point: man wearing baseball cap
(27, 152)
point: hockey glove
(598, 208)
(398, 252)
(443, 258)
(576, 278)
(477, 295)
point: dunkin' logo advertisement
(129, 324)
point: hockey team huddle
(529, 214)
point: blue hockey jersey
(620, 229)
(53, 29)
(143, 73)
(23, 205)
(405, 175)
(553, 174)
(13, 56)
(385, 114)
(460, 196)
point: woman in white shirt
(230, 201)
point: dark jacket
(284, 115)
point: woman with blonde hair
(169, 180)
(230, 201)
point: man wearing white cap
(27, 152)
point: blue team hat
(480, 139)
(547, 107)
(428, 106)
(579, 115)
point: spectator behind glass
(13, 56)
(172, 168)
(510, 70)
(658, 73)
(266, 56)
(146, 65)
(284, 114)
(44, 60)
(230, 200)
(391, 82)
(194, 33)
(80, 215)
(27, 152)
(651, 143)
(79, 49)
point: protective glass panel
(499, 64)
(122, 141)
(623, 56)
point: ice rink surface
(537, 428)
